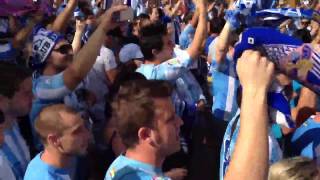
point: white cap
(129, 52)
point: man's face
(167, 127)
(61, 55)
(21, 101)
(75, 137)
(167, 50)
(154, 15)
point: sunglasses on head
(64, 49)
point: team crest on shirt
(112, 173)
(174, 61)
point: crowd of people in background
(150, 90)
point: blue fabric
(47, 90)
(224, 88)
(7, 52)
(229, 142)
(207, 44)
(306, 140)
(289, 13)
(276, 46)
(186, 36)
(39, 170)
(15, 151)
(175, 71)
(126, 168)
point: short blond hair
(296, 168)
(50, 121)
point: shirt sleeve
(109, 60)
(171, 70)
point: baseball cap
(42, 45)
(129, 52)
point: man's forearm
(250, 159)
(61, 21)
(223, 43)
(200, 34)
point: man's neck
(55, 159)
(9, 116)
(50, 71)
(156, 62)
(146, 155)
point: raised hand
(255, 72)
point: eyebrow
(75, 128)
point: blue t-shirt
(176, 72)
(207, 44)
(47, 90)
(224, 88)
(39, 170)
(15, 151)
(229, 142)
(306, 140)
(186, 36)
(129, 169)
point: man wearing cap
(15, 101)
(131, 52)
(58, 72)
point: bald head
(51, 120)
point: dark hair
(151, 39)
(303, 34)
(216, 25)
(188, 17)
(160, 11)
(11, 77)
(142, 16)
(134, 107)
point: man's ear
(154, 52)
(144, 134)
(4, 103)
(53, 140)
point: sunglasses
(64, 49)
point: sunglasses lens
(64, 49)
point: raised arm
(22, 35)
(195, 47)
(84, 60)
(61, 21)
(76, 43)
(250, 158)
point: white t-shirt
(96, 80)
(5, 170)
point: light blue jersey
(224, 88)
(124, 168)
(15, 151)
(306, 140)
(229, 142)
(39, 170)
(47, 90)
(175, 71)
(186, 36)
